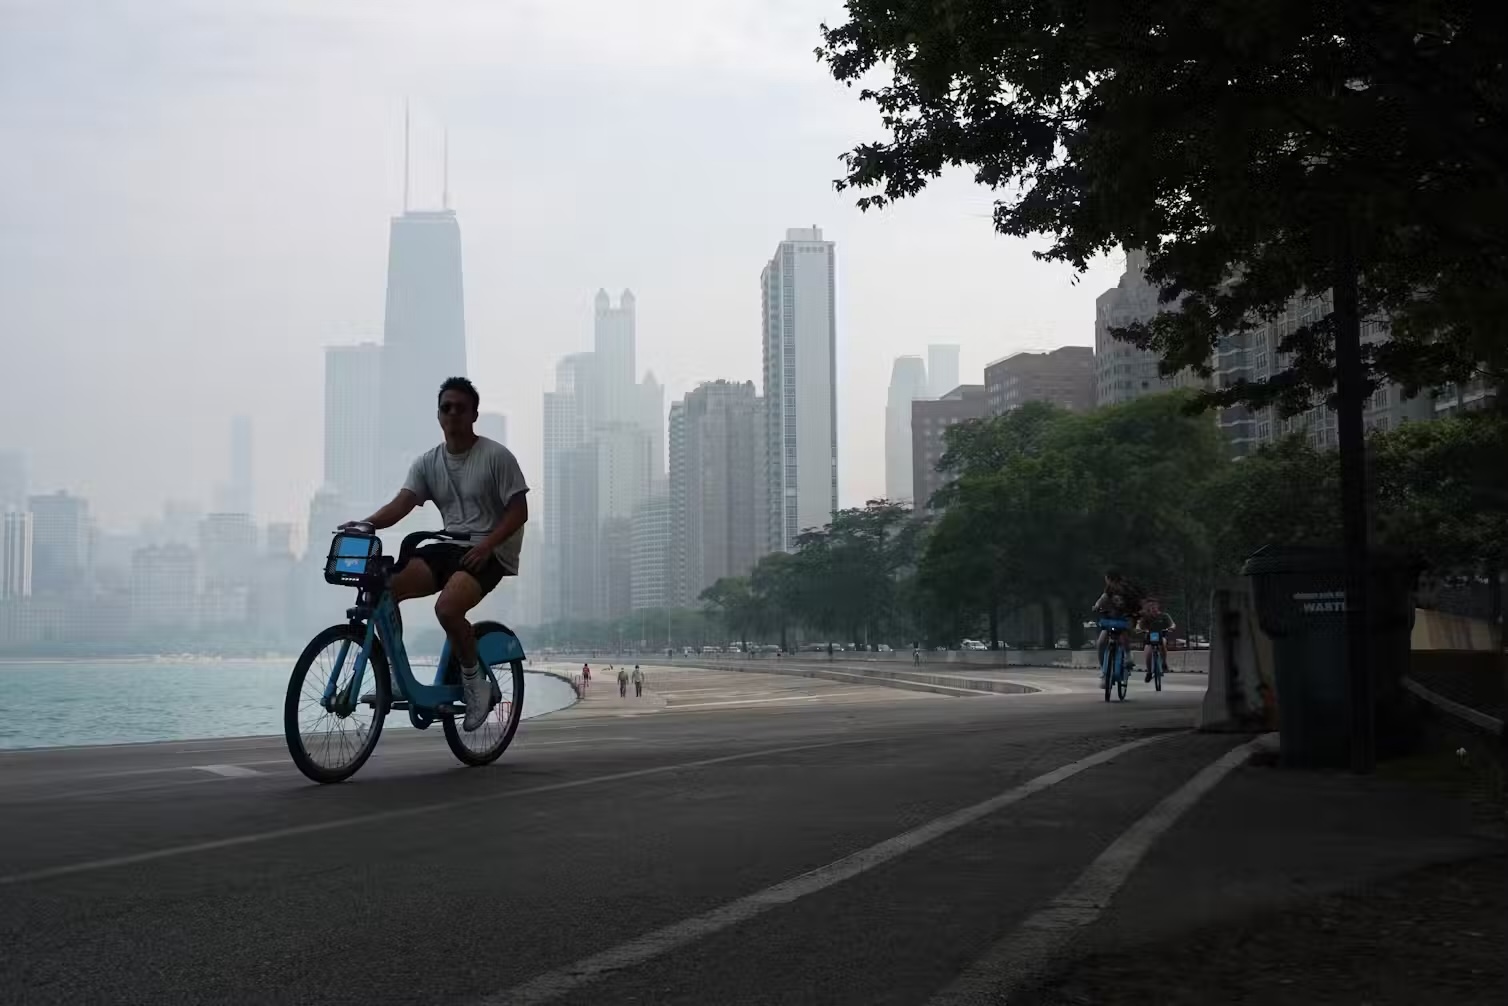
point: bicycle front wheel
(486, 743)
(1107, 670)
(330, 739)
(1157, 671)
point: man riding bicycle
(1154, 619)
(1120, 600)
(479, 489)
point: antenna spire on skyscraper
(445, 184)
(405, 155)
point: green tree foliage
(1044, 500)
(1256, 150)
(1441, 492)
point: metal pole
(1351, 391)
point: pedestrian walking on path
(638, 678)
(586, 674)
(622, 682)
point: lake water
(123, 701)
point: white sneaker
(481, 696)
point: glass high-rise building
(424, 334)
(353, 382)
(800, 385)
(908, 382)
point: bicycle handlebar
(411, 542)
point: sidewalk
(600, 696)
(1299, 887)
(1431, 935)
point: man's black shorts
(444, 561)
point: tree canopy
(1253, 149)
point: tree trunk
(1049, 629)
(994, 624)
(1351, 389)
(1073, 630)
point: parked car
(883, 648)
(972, 644)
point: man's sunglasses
(453, 408)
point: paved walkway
(684, 688)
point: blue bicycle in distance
(1113, 669)
(342, 686)
(1159, 659)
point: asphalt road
(609, 857)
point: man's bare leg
(413, 580)
(461, 594)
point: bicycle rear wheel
(486, 743)
(329, 743)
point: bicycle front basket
(353, 558)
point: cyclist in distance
(1120, 600)
(1154, 619)
(479, 489)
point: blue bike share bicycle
(1113, 669)
(1159, 658)
(342, 686)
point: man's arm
(515, 515)
(399, 507)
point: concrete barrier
(1436, 630)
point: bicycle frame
(1159, 662)
(424, 701)
(1116, 642)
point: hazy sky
(194, 200)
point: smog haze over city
(195, 202)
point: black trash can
(1300, 597)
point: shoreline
(145, 658)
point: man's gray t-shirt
(471, 489)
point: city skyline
(221, 231)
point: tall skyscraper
(565, 429)
(613, 337)
(493, 426)
(12, 480)
(15, 554)
(236, 494)
(1123, 372)
(908, 382)
(652, 421)
(60, 543)
(799, 324)
(942, 369)
(353, 389)
(650, 561)
(717, 486)
(424, 333)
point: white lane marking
(228, 771)
(743, 702)
(553, 984)
(1030, 952)
(75, 794)
(89, 866)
